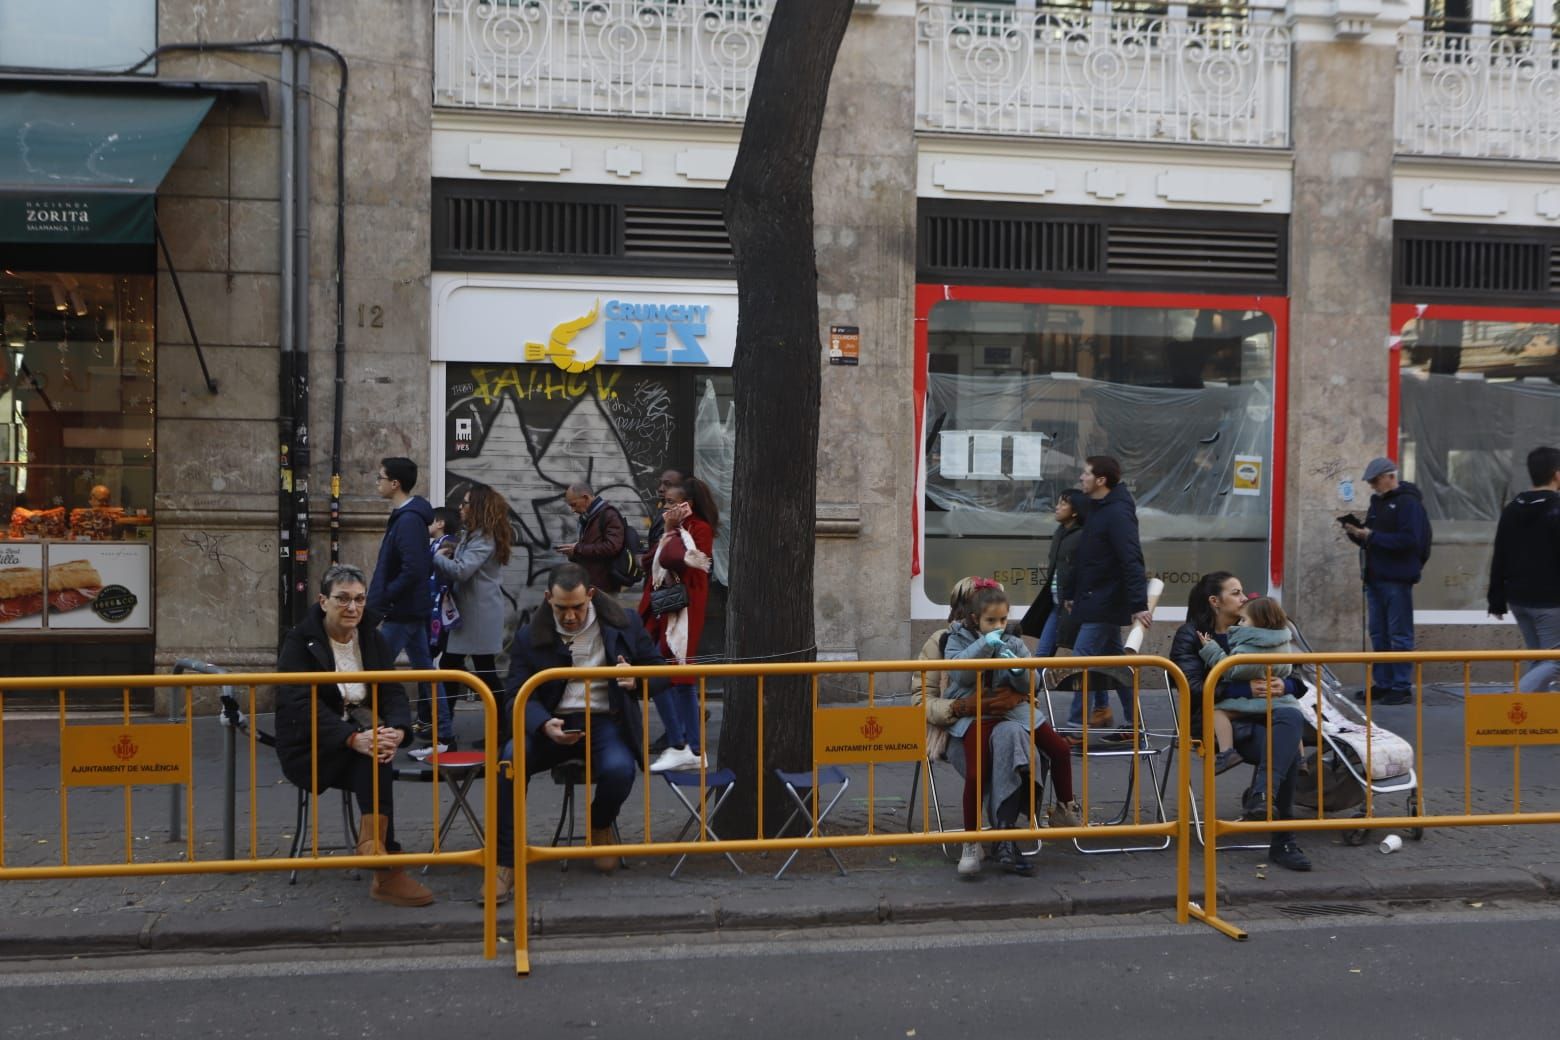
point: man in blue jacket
(1108, 586)
(398, 597)
(1394, 545)
(577, 628)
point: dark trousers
(1390, 612)
(1251, 742)
(358, 778)
(612, 766)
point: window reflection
(1019, 393)
(1476, 396)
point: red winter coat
(673, 550)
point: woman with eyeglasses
(472, 567)
(341, 735)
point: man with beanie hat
(1394, 545)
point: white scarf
(677, 623)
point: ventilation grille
(1183, 252)
(477, 227)
(1476, 265)
(683, 234)
(1011, 244)
(1303, 910)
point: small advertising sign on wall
(1248, 475)
(99, 585)
(844, 344)
(21, 586)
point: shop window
(1477, 388)
(531, 430)
(52, 34)
(1020, 391)
(77, 425)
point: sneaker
(1253, 805)
(1288, 855)
(1007, 857)
(1065, 814)
(422, 754)
(676, 759)
(503, 888)
(969, 860)
(1226, 760)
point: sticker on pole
(843, 735)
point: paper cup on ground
(1391, 843)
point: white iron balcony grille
(1474, 95)
(997, 69)
(678, 59)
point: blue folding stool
(718, 785)
(795, 784)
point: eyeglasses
(343, 600)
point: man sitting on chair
(583, 630)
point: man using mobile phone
(1394, 544)
(577, 628)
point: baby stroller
(1343, 753)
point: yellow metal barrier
(1539, 726)
(1175, 829)
(138, 753)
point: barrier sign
(102, 756)
(844, 735)
(1503, 719)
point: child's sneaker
(969, 860)
(1007, 857)
(1226, 760)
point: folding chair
(795, 785)
(1150, 746)
(718, 785)
(301, 826)
(568, 775)
(929, 765)
(460, 770)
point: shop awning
(81, 167)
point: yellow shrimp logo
(557, 349)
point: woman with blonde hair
(472, 567)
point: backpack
(627, 570)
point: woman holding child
(1219, 621)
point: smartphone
(573, 732)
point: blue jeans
(1047, 645)
(612, 766)
(412, 636)
(1251, 742)
(1540, 628)
(1099, 639)
(1390, 609)
(678, 707)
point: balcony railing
(1475, 95)
(667, 59)
(995, 69)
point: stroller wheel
(1356, 837)
(1414, 833)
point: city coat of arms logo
(1518, 714)
(126, 748)
(872, 729)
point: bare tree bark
(769, 215)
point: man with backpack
(1394, 545)
(602, 539)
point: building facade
(1243, 248)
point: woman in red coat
(682, 557)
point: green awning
(84, 167)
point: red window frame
(928, 296)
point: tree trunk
(769, 215)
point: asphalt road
(1457, 972)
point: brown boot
(389, 886)
(603, 836)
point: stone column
(1340, 289)
(864, 209)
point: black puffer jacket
(307, 649)
(1526, 567)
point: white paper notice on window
(955, 454)
(987, 455)
(1027, 455)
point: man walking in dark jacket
(1525, 572)
(1395, 543)
(602, 537)
(398, 598)
(1108, 586)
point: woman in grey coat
(472, 567)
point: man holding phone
(1394, 542)
(576, 628)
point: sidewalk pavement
(899, 884)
